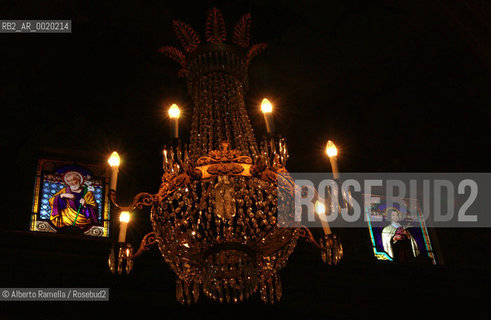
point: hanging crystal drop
(196, 291)
(220, 291)
(271, 291)
(214, 289)
(187, 292)
(112, 261)
(227, 290)
(278, 288)
(263, 291)
(120, 261)
(179, 291)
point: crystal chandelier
(215, 216)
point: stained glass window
(70, 198)
(396, 233)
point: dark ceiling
(399, 86)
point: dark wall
(312, 290)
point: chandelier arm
(143, 199)
(140, 200)
(305, 233)
(149, 239)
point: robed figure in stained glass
(398, 242)
(74, 205)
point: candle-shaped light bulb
(124, 218)
(332, 153)
(267, 109)
(174, 114)
(331, 149)
(114, 162)
(266, 106)
(320, 209)
(174, 111)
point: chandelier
(215, 215)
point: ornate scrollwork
(223, 156)
(305, 233)
(95, 231)
(143, 199)
(224, 169)
(139, 201)
(330, 246)
(171, 182)
(223, 162)
(44, 227)
(148, 240)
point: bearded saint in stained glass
(73, 205)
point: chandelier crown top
(215, 37)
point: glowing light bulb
(124, 216)
(267, 109)
(114, 160)
(266, 106)
(331, 149)
(174, 111)
(320, 208)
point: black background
(398, 86)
